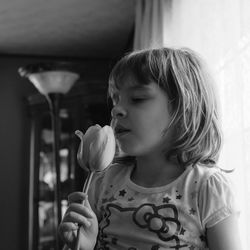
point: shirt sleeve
(217, 200)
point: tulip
(97, 148)
(96, 152)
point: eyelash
(134, 100)
(137, 100)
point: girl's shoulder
(207, 173)
(215, 180)
(216, 195)
(212, 180)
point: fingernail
(88, 223)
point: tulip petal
(81, 156)
(97, 148)
(108, 151)
(92, 130)
(104, 149)
(89, 137)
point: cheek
(158, 122)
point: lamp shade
(53, 81)
(50, 77)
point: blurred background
(87, 37)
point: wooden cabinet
(76, 112)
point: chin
(131, 148)
(127, 150)
(132, 152)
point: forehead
(133, 87)
(127, 82)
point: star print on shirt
(203, 238)
(182, 232)
(122, 192)
(178, 197)
(166, 200)
(192, 211)
(111, 199)
(155, 247)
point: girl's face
(140, 115)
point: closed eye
(138, 100)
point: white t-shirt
(174, 216)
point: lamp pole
(54, 105)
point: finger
(77, 197)
(87, 204)
(81, 209)
(67, 226)
(73, 217)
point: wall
(14, 161)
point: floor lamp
(53, 84)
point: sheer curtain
(148, 24)
(220, 32)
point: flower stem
(87, 182)
(85, 190)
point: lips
(121, 130)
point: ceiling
(66, 28)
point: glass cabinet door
(47, 181)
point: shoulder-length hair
(189, 86)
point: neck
(155, 170)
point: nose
(118, 112)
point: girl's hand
(77, 213)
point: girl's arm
(224, 235)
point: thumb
(86, 202)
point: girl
(173, 196)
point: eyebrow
(139, 87)
(134, 88)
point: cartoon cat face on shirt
(162, 220)
(149, 219)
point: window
(220, 32)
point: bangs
(131, 70)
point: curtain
(148, 24)
(233, 72)
(220, 32)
